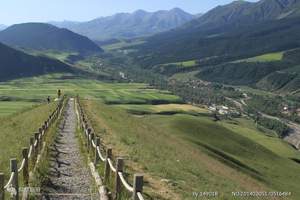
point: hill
(248, 12)
(16, 64)
(227, 30)
(245, 41)
(129, 25)
(39, 36)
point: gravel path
(69, 176)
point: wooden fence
(31, 157)
(93, 146)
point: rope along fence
(93, 145)
(31, 157)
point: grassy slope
(197, 154)
(40, 87)
(165, 108)
(189, 63)
(16, 129)
(269, 57)
(195, 160)
(8, 107)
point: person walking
(58, 93)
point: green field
(37, 89)
(59, 55)
(179, 147)
(195, 153)
(9, 107)
(164, 109)
(121, 45)
(16, 129)
(269, 57)
(189, 63)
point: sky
(19, 11)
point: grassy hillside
(39, 36)
(198, 153)
(16, 129)
(269, 57)
(193, 43)
(16, 64)
(271, 71)
(179, 147)
(9, 107)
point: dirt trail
(69, 176)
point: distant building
(212, 108)
(122, 74)
(223, 112)
(225, 108)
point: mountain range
(243, 12)
(129, 25)
(237, 29)
(40, 36)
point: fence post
(96, 151)
(15, 181)
(25, 169)
(32, 146)
(138, 182)
(91, 142)
(88, 139)
(107, 167)
(36, 138)
(41, 138)
(2, 192)
(119, 168)
(46, 125)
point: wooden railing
(31, 158)
(93, 146)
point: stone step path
(69, 175)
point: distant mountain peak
(130, 25)
(140, 11)
(176, 9)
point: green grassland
(38, 88)
(59, 55)
(194, 153)
(122, 45)
(189, 63)
(164, 109)
(185, 76)
(11, 107)
(16, 129)
(179, 147)
(269, 57)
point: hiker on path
(48, 99)
(58, 93)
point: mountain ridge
(200, 38)
(41, 36)
(129, 25)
